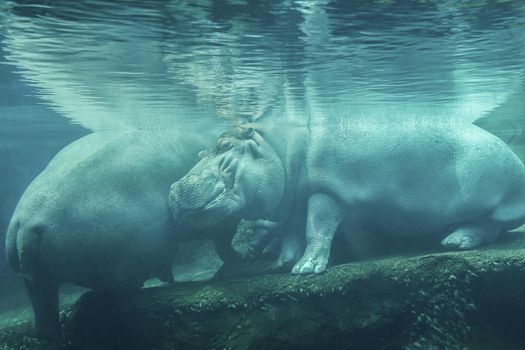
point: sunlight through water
(161, 64)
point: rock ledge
(453, 300)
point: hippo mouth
(225, 204)
(225, 200)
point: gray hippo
(98, 217)
(403, 178)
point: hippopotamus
(418, 178)
(98, 217)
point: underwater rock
(445, 300)
(195, 261)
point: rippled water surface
(152, 64)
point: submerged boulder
(446, 300)
(196, 261)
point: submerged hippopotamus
(417, 178)
(98, 217)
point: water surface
(152, 64)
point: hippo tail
(10, 245)
(22, 247)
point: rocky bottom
(452, 300)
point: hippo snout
(190, 196)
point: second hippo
(412, 178)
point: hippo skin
(98, 217)
(413, 178)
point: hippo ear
(252, 147)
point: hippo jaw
(203, 197)
(243, 178)
(222, 207)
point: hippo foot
(290, 252)
(281, 261)
(464, 239)
(311, 263)
(285, 258)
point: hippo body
(398, 178)
(98, 217)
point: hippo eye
(224, 146)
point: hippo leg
(264, 231)
(44, 298)
(470, 236)
(323, 218)
(291, 248)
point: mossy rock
(448, 300)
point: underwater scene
(273, 174)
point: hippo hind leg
(471, 235)
(41, 287)
(44, 299)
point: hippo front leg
(323, 218)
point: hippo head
(242, 177)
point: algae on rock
(451, 300)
